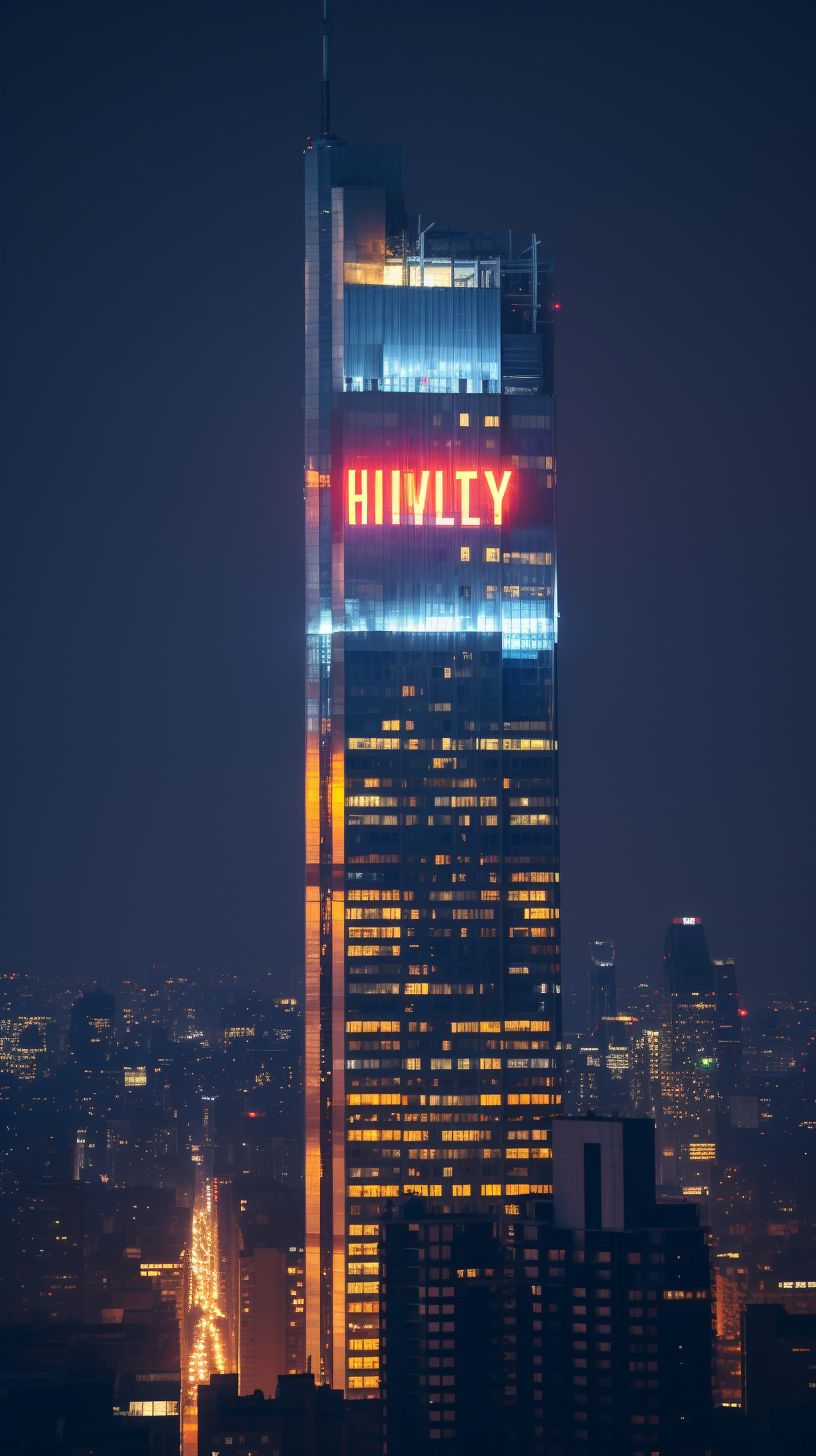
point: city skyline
(348, 1105)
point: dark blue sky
(153, 454)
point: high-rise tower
(688, 1062)
(602, 994)
(432, 901)
(729, 1029)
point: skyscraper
(687, 1058)
(432, 903)
(729, 1029)
(602, 997)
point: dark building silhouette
(53, 1413)
(779, 1378)
(448, 1370)
(625, 1301)
(462, 1345)
(92, 1033)
(262, 1302)
(728, 1030)
(686, 962)
(537, 1336)
(301, 1420)
(602, 989)
(50, 1249)
(89, 1388)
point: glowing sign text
(411, 497)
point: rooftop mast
(325, 128)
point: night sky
(152, 535)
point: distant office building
(730, 1289)
(616, 1035)
(270, 1298)
(778, 1385)
(295, 1312)
(139, 1149)
(582, 1073)
(599, 1067)
(627, 1333)
(92, 1033)
(744, 1110)
(28, 1046)
(602, 991)
(261, 1320)
(641, 1001)
(688, 1061)
(50, 1269)
(728, 1029)
(644, 1080)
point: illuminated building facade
(432, 905)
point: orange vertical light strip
(311, 1053)
(338, 1090)
(311, 1008)
(338, 830)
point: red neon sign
(411, 495)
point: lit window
(492, 422)
(443, 859)
(464, 419)
(465, 553)
(447, 672)
(411, 692)
(391, 725)
(492, 553)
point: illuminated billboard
(409, 500)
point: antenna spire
(325, 127)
